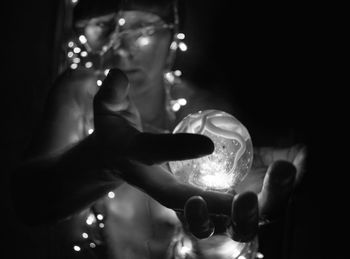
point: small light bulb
(231, 160)
(121, 21)
(182, 101)
(76, 50)
(182, 46)
(111, 195)
(180, 36)
(88, 64)
(82, 39)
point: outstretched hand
(249, 210)
(118, 129)
(137, 157)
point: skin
(78, 169)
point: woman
(140, 38)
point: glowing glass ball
(231, 160)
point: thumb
(112, 95)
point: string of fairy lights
(78, 55)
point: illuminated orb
(231, 160)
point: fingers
(118, 126)
(112, 96)
(157, 148)
(245, 216)
(197, 217)
(299, 153)
(277, 187)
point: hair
(86, 9)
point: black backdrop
(265, 56)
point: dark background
(265, 57)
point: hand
(118, 129)
(135, 156)
(248, 208)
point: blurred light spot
(182, 101)
(77, 248)
(70, 54)
(259, 255)
(186, 248)
(85, 235)
(83, 53)
(173, 45)
(106, 72)
(76, 50)
(111, 195)
(143, 41)
(90, 131)
(180, 36)
(176, 106)
(90, 219)
(82, 39)
(242, 257)
(101, 225)
(170, 77)
(76, 60)
(99, 217)
(92, 245)
(121, 21)
(74, 1)
(177, 72)
(88, 64)
(73, 66)
(182, 46)
(99, 82)
(71, 44)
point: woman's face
(136, 42)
